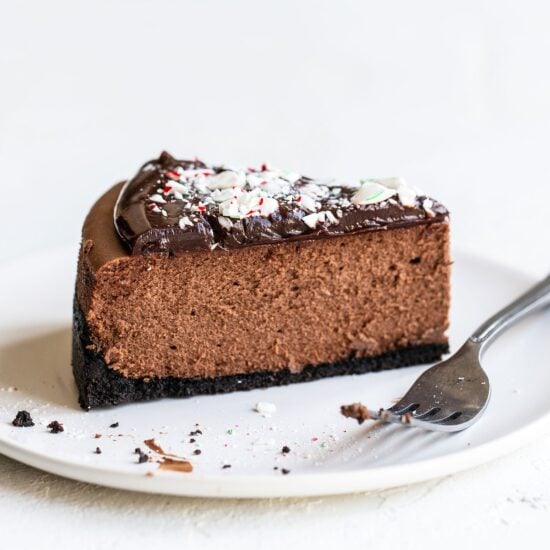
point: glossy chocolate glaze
(146, 227)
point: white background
(454, 96)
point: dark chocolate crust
(100, 386)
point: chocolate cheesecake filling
(100, 385)
(166, 307)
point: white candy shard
(391, 183)
(407, 194)
(427, 205)
(226, 179)
(254, 180)
(264, 408)
(158, 199)
(240, 204)
(329, 217)
(185, 222)
(307, 203)
(372, 192)
(176, 187)
(248, 203)
(311, 220)
(314, 191)
(325, 217)
(291, 177)
(225, 194)
(230, 209)
(276, 186)
(268, 206)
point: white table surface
(455, 98)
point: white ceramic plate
(329, 454)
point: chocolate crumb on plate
(284, 471)
(192, 440)
(195, 432)
(97, 451)
(23, 419)
(285, 450)
(156, 448)
(226, 466)
(114, 425)
(55, 427)
(175, 465)
(143, 457)
(197, 452)
(358, 411)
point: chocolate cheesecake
(198, 279)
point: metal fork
(452, 395)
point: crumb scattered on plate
(23, 419)
(265, 409)
(175, 465)
(142, 457)
(358, 411)
(55, 427)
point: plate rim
(298, 485)
(268, 486)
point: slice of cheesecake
(198, 279)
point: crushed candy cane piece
(157, 198)
(226, 179)
(185, 222)
(427, 204)
(311, 220)
(371, 193)
(265, 408)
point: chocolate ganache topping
(172, 206)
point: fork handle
(535, 298)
